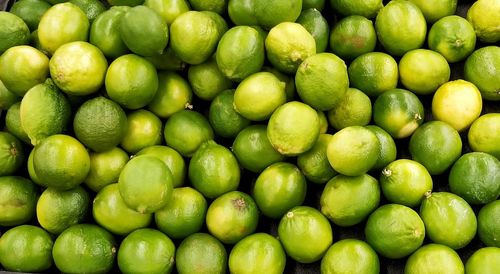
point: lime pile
(239, 136)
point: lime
(352, 109)
(31, 170)
(168, 9)
(364, 8)
(131, 81)
(218, 6)
(475, 176)
(145, 184)
(84, 248)
(13, 123)
(437, 10)
(110, 211)
(448, 219)
(484, 16)
(394, 231)
(388, 149)
(26, 248)
(323, 122)
(130, 3)
(167, 60)
(453, 37)
(61, 161)
(422, 71)
(220, 23)
(285, 78)
(57, 210)
(316, 24)
(288, 44)
(146, 251)
(104, 32)
(183, 215)
(483, 261)
(347, 201)
(171, 158)
(405, 182)
(482, 68)
(314, 163)
(11, 153)
(241, 12)
(353, 151)
(400, 27)
(186, 130)
(353, 36)
(436, 145)
(483, 134)
(13, 31)
(207, 80)
(373, 73)
(270, 13)
(91, 8)
(457, 103)
(18, 200)
(322, 80)
(350, 256)
(399, 112)
(201, 253)
(143, 129)
(257, 253)
(280, 187)
(305, 234)
(488, 223)
(434, 258)
(173, 94)
(7, 97)
(105, 167)
(222, 116)
(213, 170)
(316, 4)
(232, 216)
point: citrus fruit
(483, 134)
(253, 149)
(131, 81)
(143, 129)
(84, 248)
(399, 112)
(194, 36)
(436, 145)
(144, 31)
(220, 23)
(100, 124)
(91, 8)
(61, 161)
(353, 151)
(218, 6)
(248, 96)
(13, 123)
(285, 78)
(105, 32)
(186, 130)
(422, 71)
(293, 128)
(167, 60)
(240, 53)
(483, 261)
(201, 253)
(11, 153)
(305, 234)
(13, 31)
(280, 187)
(183, 215)
(232, 216)
(145, 184)
(171, 158)
(207, 80)
(484, 16)
(388, 149)
(400, 21)
(488, 223)
(173, 94)
(350, 256)
(223, 118)
(61, 24)
(405, 182)
(44, 111)
(18, 200)
(146, 251)
(434, 258)
(23, 67)
(373, 73)
(367, 9)
(314, 163)
(475, 177)
(129, 3)
(482, 68)
(7, 97)
(453, 37)
(322, 80)
(31, 169)
(26, 248)
(457, 103)
(110, 211)
(316, 24)
(316, 4)
(436, 10)
(257, 253)
(105, 167)
(394, 231)
(241, 12)
(213, 170)
(448, 219)
(287, 45)
(168, 9)
(353, 36)
(352, 109)
(270, 13)
(347, 201)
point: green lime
(128, 3)
(13, 123)
(366, 8)
(323, 122)
(218, 6)
(7, 97)
(482, 68)
(13, 31)
(11, 153)
(207, 80)
(270, 13)
(373, 73)
(167, 60)
(143, 129)
(289, 81)
(388, 149)
(104, 32)
(171, 158)
(316, 24)
(31, 169)
(350, 256)
(488, 223)
(436, 10)
(483, 261)
(168, 9)
(352, 109)
(105, 167)
(314, 163)
(434, 258)
(316, 4)
(353, 36)
(483, 134)
(91, 8)
(484, 16)
(18, 200)
(223, 118)
(201, 253)
(174, 94)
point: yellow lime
(483, 261)
(350, 256)
(353, 109)
(388, 149)
(168, 9)
(171, 158)
(484, 134)
(433, 11)
(13, 123)
(174, 94)
(143, 129)
(484, 16)
(434, 258)
(7, 97)
(105, 167)
(207, 80)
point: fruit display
(247, 137)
